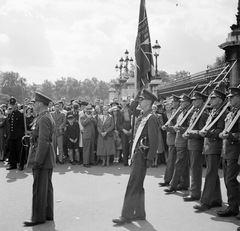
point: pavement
(87, 199)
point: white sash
(139, 132)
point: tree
(47, 88)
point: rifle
(190, 128)
(177, 111)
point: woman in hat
(106, 144)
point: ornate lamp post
(156, 50)
(124, 72)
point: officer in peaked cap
(185, 98)
(219, 94)
(233, 91)
(39, 97)
(175, 98)
(15, 122)
(44, 162)
(147, 95)
(134, 206)
(199, 95)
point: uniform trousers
(42, 201)
(196, 173)
(126, 142)
(171, 159)
(134, 202)
(231, 170)
(181, 169)
(58, 144)
(212, 190)
(88, 151)
(15, 148)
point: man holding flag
(145, 143)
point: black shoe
(201, 207)
(238, 229)
(190, 198)
(125, 164)
(213, 205)
(20, 168)
(138, 218)
(61, 162)
(72, 162)
(121, 220)
(181, 188)
(32, 223)
(11, 167)
(227, 213)
(87, 166)
(163, 184)
(49, 218)
(170, 189)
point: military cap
(217, 93)
(233, 91)
(161, 97)
(70, 116)
(39, 97)
(175, 98)
(148, 95)
(185, 98)
(199, 95)
(12, 100)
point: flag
(143, 50)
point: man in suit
(211, 195)
(143, 152)
(195, 146)
(230, 154)
(15, 132)
(45, 160)
(171, 135)
(88, 122)
(60, 123)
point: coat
(60, 122)
(88, 127)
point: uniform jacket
(231, 145)
(88, 127)
(212, 142)
(15, 125)
(150, 132)
(42, 134)
(195, 141)
(60, 122)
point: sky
(51, 39)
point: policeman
(45, 160)
(195, 146)
(142, 157)
(230, 154)
(211, 195)
(15, 134)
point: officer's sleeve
(44, 135)
(152, 137)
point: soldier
(171, 135)
(142, 158)
(15, 133)
(211, 195)
(45, 160)
(230, 154)
(195, 146)
(181, 167)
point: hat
(161, 97)
(199, 95)
(124, 99)
(84, 103)
(233, 91)
(88, 108)
(175, 98)
(12, 100)
(115, 108)
(70, 116)
(42, 98)
(217, 93)
(113, 102)
(185, 98)
(148, 95)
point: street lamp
(156, 50)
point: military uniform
(211, 195)
(230, 154)
(45, 161)
(15, 134)
(195, 147)
(134, 204)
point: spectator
(3, 134)
(106, 145)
